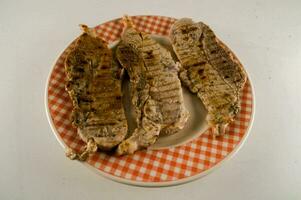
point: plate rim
(141, 183)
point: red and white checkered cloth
(152, 166)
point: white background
(265, 35)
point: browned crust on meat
(94, 86)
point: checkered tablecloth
(153, 166)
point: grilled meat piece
(94, 87)
(155, 89)
(208, 70)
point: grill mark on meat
(165, 98)
(166, 94)
(166, 88)
(164, 80)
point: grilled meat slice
(155, 89)
(94, 86)
(208, 70)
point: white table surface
(265, 35)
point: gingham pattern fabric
(172, 164)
